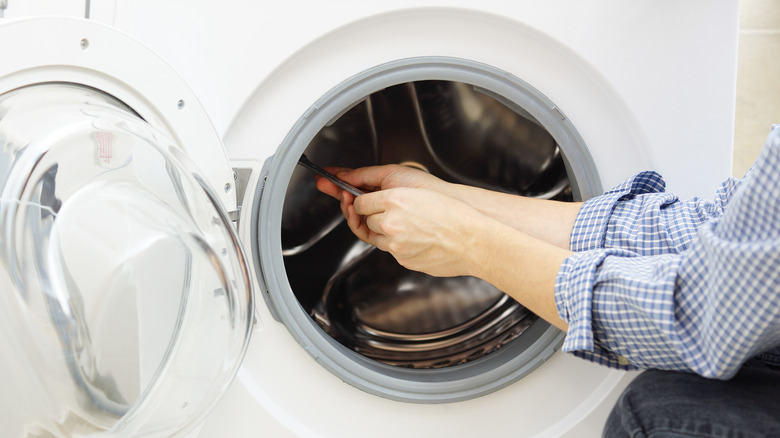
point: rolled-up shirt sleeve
(656, 282)
(639, 216)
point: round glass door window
(125, 302)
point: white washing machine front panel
(534, 402)
(652, 88)
(673, 67)
(646, 88)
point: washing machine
(171, 270)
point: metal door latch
(240, 182)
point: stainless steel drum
(361, 296)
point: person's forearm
(520, 265)
(549, 221)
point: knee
(650, 399)
(666, 403)
(625, 419)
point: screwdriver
(331, 177)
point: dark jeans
(666, 404)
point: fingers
(375, 178)
(367, 177)
(356, 217)
(374, 223)
(371, 203)
(365, 214)
(372, 232)
(365, 228)
(348, 210)
(327, 187)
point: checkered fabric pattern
(657, 282)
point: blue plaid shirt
(657, 282)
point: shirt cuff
(574, 302)
(590, 226)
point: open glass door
(125, 301)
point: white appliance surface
(648, 86)
(672, 68)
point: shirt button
(622, 360)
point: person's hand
(424, 230)
(375, 178)
(405, 215)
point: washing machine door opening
(126, 304)
(361, 296)
(466, 123)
